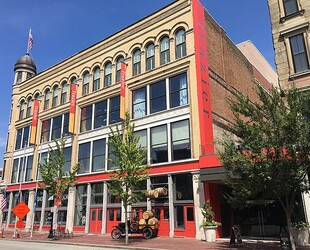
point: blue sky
(61, 28)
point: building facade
(180, 69)
(290, 20)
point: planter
(301, 236)
(210, 233)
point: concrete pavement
(137, 242)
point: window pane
(25, 142)
(139, 102)
(86, 118)
(97, 193)
(108, 74)
(14, 171)
(158, 96)
(290, 6)
(19, 138)
(178, 90)
(159, 151)
(180, 217)
(190, 213)
(114, 110)
(98, 163)
(84, 157)
(67, 153)
(118, 69)
(184, 187)
(96, 82)
(46, 130)
(181, 148)
(66, 124)
(64, 91)
(28, 176)
(164, 51)
(180, 44)
(100, 114)
(56, 129)
(299, 53)
(85, 90)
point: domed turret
(25, 62)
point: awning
(212, 174)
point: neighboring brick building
(290, 20)
(181, 68)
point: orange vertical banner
(34, 123)
(123, 91)
(72, 108)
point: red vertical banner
(72, 107)
(34, 123)
(203, 80)
(123, 91)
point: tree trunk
(289, 227)
(126, 226)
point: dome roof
(26, 62)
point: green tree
(273, 160)
(55, 179)
(128, 157)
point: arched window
(55, 96)
(96, 82)
(150, 57)
(29, 107)
(64, 91)
(47, 97)
(136, 62)
(164, 50)
(22, 109)
(180, 44)
(108, 74)
(37, 96)
(85, 89)
(118, 69)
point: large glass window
(100, 114)
(22, 109)
(81, 204)
(158, 96)
(97, 194)
(150, 57)
(65, 130)
(159, 144)
(178, 90)
(47, 99)
(164, 50)
(299, 53)
(29, 107)
(67, 154)
(84, 157)
(85, 89)
(108, 74)
(19, 137)
(14, 171)
(181, 148)
(96, 82)
(142, 141)
(25, 142)
(55, 96)
(136, 61)
(22, 138)
(183, 187)
(86, 118)
(56, 127)
(42, 158)
(46, 126)
(98, 158)
(114, 110)
(290, 6)
(64, 91)
(139, 102)
(118, 69)
(180, 44)
(28, 173)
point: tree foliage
(129, 159)
(52, 171)
(273, 160)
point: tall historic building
(180, 69)
(290, 20)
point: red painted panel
(25, 186)
(189, 220)
(79, 229)
(112, 219)
(95, 224)
(162, 214)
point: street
(19, 245)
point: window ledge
(291, 16)
(299, 74)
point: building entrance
(95, 225)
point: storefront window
(183, 187)
(97, 193)
(80, 207)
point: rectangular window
(14, 171)
(139, 102)
(18, 138)
(67, 153)
(29, 168)
(112, 165)
(42, 158)
(80, 207)
(56, 127)
(46, 125)
(299, 53)
(100, 114)
(290, 7)
(179, 213)
(86, 118)
(114, 114)
(97, 194)
(178, 90)
(84, 157)
(65, 130)
(181, 148)
(25, 137)
(142, 141)
(158, 96)
(98, 159)
(159, 144)
(21, 169)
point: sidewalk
(137, 242)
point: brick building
(180, 69)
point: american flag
(30, 40)
(3, 201)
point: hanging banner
(123, 91)
(34, 124)
(72, 107)
(203, 80)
